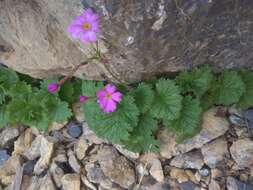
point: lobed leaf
(227, 89)
(144, 97)
(188, 124)
(167, 102)
(246, 99)
(142, 138)
(196, 82)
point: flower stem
(62, 81)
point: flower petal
(84, 37)
(75, 31)
(90, 15)
(92, 36)
(79, 20)
(110, 88)
(101, 93)
(110, 106)
(95, 27)
(116, 96)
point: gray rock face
(139, 38)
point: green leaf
(60, 112)
(2, 94)
(167, 103)
(7, 77)
(25, 112)
(246, 100)
(20, 90)
(197, 81)
(4, 116)
(77, 85)
(227, 89)
(144, 97)
(89, 88)
(188, 124)
(115, 126)
(55, 109)
(142, 138)
(66, 92)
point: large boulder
(139, 38)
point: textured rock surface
(71, 181)
(43, 149)
(242, 153)
(215, 152)
(116, 167)
(140, 38)
(7, 135)
(193, 160)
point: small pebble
(248, 114)
(3, 156)
(29, 166)
(74, 130)
(204, 172)
(237, 120)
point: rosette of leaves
(33, 107)
(115, 126)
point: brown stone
(80, 148)
(71, 181)
(193, 160)
(214, 152)
(24, 142)
(116, 167)
(179, 174)
(242, 153)
(156, 170)
(8, 170)
(40, 148)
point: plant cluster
(175, 104)
(29, 104)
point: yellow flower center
(86, 26)
(108, 96)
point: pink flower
(85, 26)
(52, 87)
(108, 98)
(83, 98)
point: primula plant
(127, 115)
